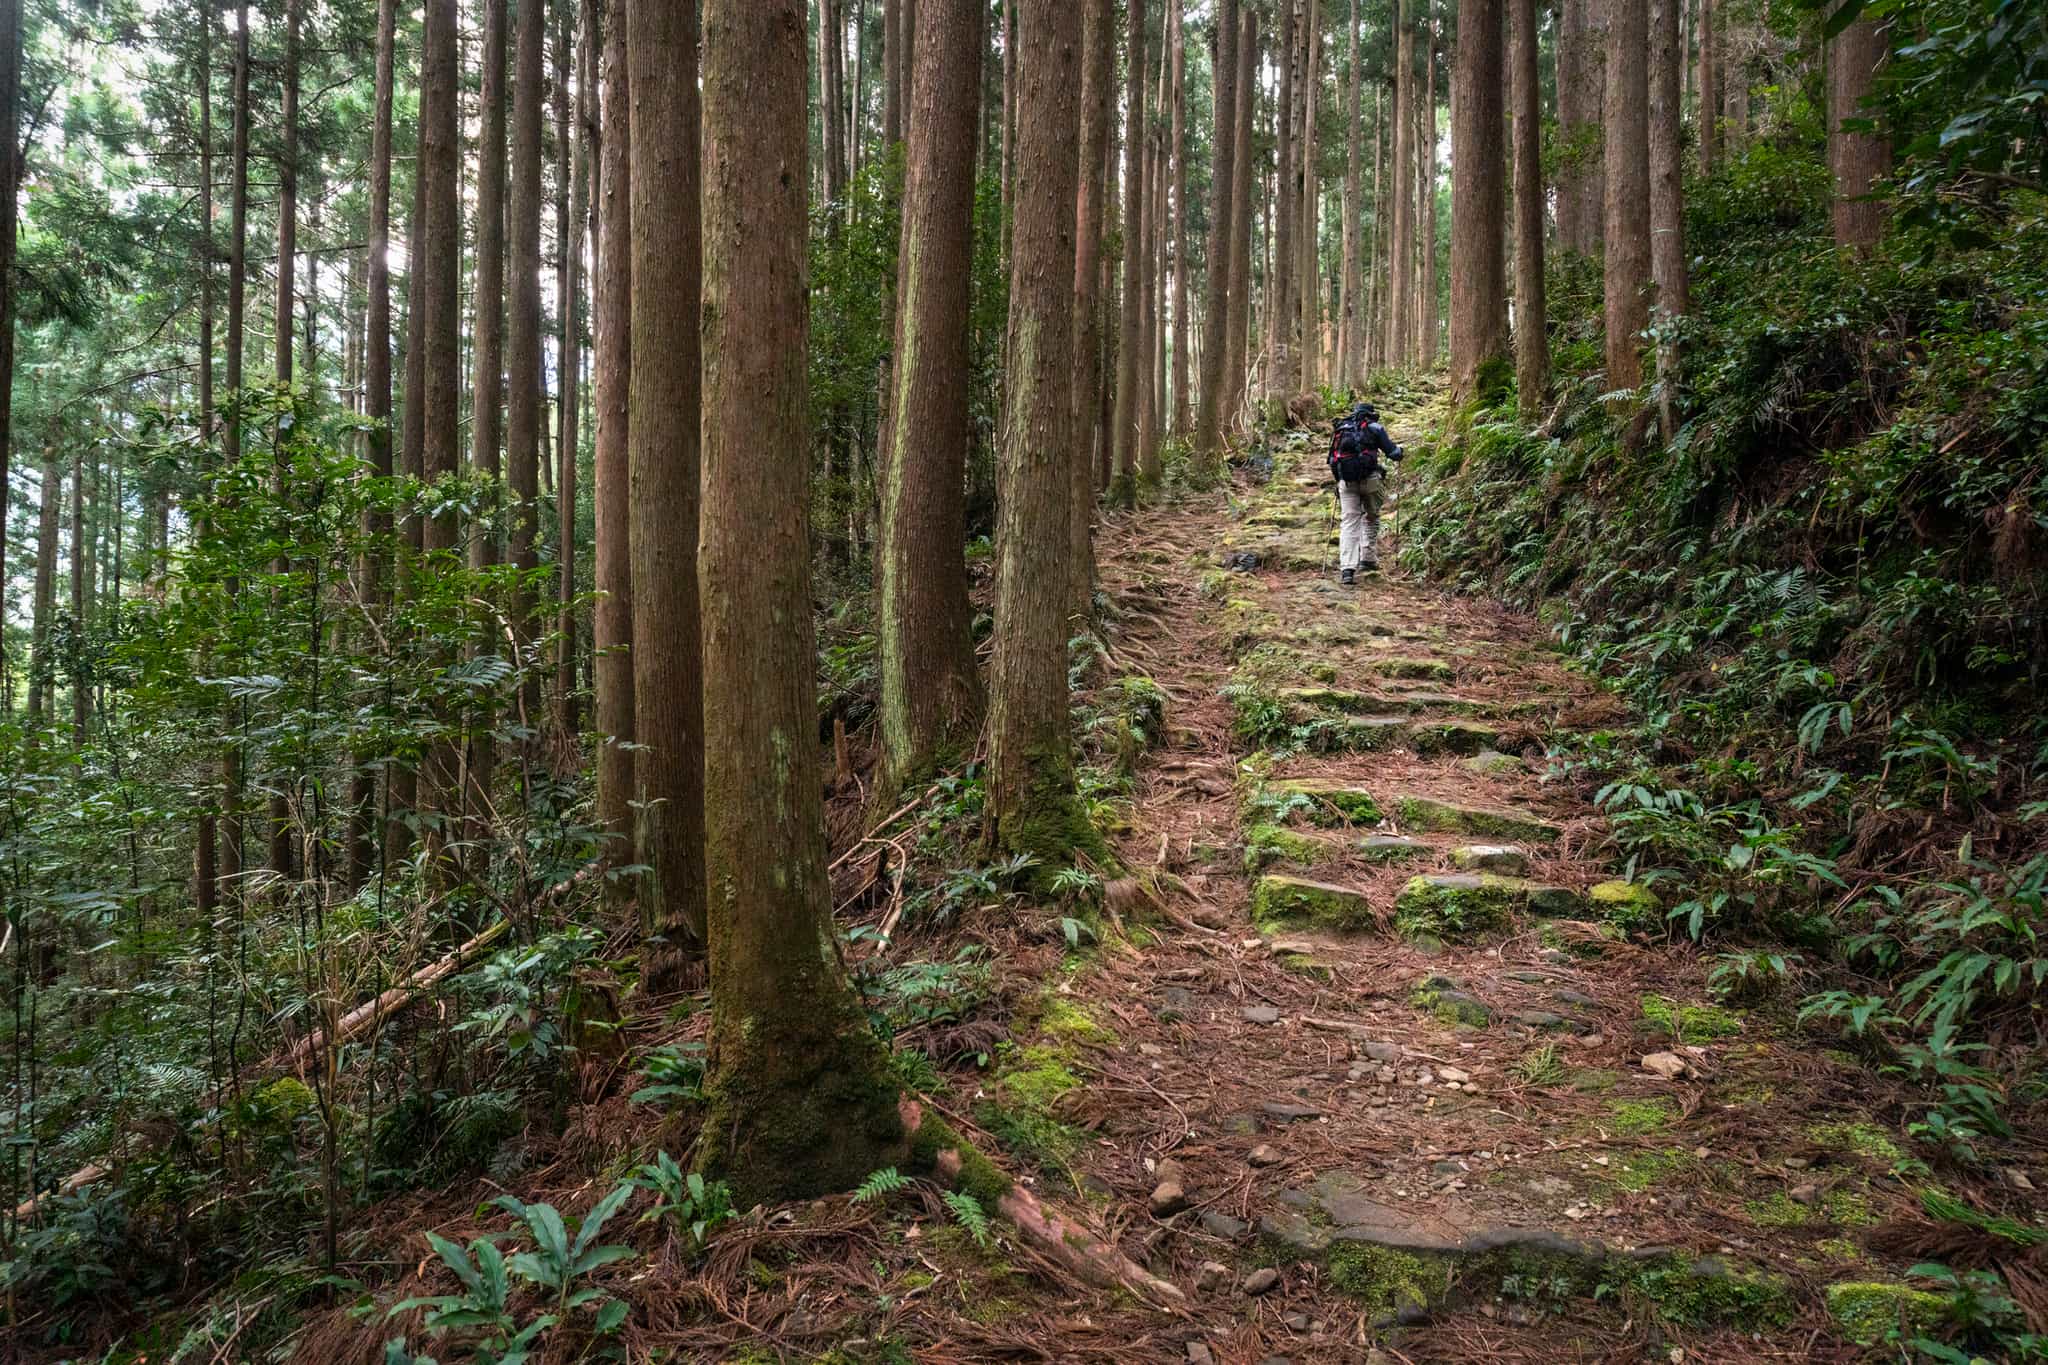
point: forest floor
(1360, 1061)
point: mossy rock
(1265, 844)
(1504, 859)
(1862, 1139)
(1709, 1292)
(1384, 1281)
(1435, 670)
(1493, 763)
(1629, 906)
(1330, 699)
(1691, 1024)
(1449, 1002)
(1868, 1311)
(1485, 822)
(1391, 848)
(1456, 907)
(1331, 802)
(1281, 902)
(1429, 738)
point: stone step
(1329, 801)
(1281, 902)
(1506, 859)
(1440, 816)
(1392, 848)
(1402, 667)
(1460, 906)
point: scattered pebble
(1211, 1276)
(1669, 1065)
(1265, 1154)
(1260, 1014)
(1261, 1281)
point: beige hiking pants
(1358, 538)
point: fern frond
(968, 1213)
(886, 1181)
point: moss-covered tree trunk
(1627, 170)
(1479, 290)
(1032, 804)
(1532, 335)
(1223, 169)
(612, 627)
(800, 1101)
(931, 694)
(1098, 83)
(668, 674)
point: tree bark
(1308, 253)
(669, 674)
(1280, 302)
(1146, 455)
(1402, 343)
(831, 40)
(1032, 803)
(1178, 223)
(1479, 303)
(798, 1097)
(10, 183)
(931, 695)
(524, 399)
(1223, 170)
(1707, 107)
(1350, 308)
(1857, 159)
(1667, 194)
(612, 668)
(487, 338)
(1098, 94)
(41, 667)
(1244, 173)
(1124, 429)
(1581, 84)
(571, 171)
(1532, 321)
(1627, 171)
(1431, 309)
(892, 75)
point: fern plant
(969, 1214)
(881, 1184)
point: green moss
(1629, 906)
(1592, 1080)
(1329, 803)
(1839, 1249)
(1869, 1311)
(1281, 902)
(1037, 1079)
(1637, 1118)
(1433, 669)
(1061, 1019)
(1849, 1209)
(1383, 1280)
(1779, 1211)
(1690, 1023)
(1265, 844)
(1705, 1292)
(1863, 1139)
(1448, 817)
(280, 1104)
(1141, 704)
(978, 1177)
(1644, 1169)
(1448, 1005)
(1457, 907)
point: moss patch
(1280, 902)
(1690, 1023)
(1060, 1019)
(1862, 1139)
(1708, 1292)
(1383, 1280)
(1644, 1169)
(1265, 844)
(1435, 670)
(1629, 906)
(1636, 1118)
(1486, 822)
(1456, 907)
(1329, 803)
(1869, 1311)
(1779, 1211)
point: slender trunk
(572, 139)
(81, 603)
(1379, 278)
(797, 1100)
(10, 182)
(892, 75)
(1627, 164)
(1243, 174)
(1280, 367)
(612, 666)
(1707, 106)
(1667, 196)
(1178, 221)
(931, 695)
(1857, 159)
(1402, 347)
(668, 662)
(1479, 303)
(1009, 111)
(41, 667)
(831, 35)
(1098, 94)
(1146, 451)
(1581, 85)
(1032, 805)
(1224, 165)
(1532, 323)
(1124, 428)
(1310, 258)
(1351, 314)
(524, 397)
(1431, 306)
(487, 345)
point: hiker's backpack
(1351, 458)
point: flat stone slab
(1493, 763)
(1506, 859)
(1398, 666)
(1435, 814)
(1330, 802)
(1282, 902)
(1391, 848)
(1432, 737)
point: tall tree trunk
(230, 852)
(1098, 94)
(524, 398)
(81, 602)
(1032, 804)
(1707, 107)
(1402, 347)
(1858, 159)
(1627, 166)
(1124, 429)
(931, 695)
(1431, 306)
(612, 667)
(1377, 326)
(1581, 84)
(487, 343)
(1223, 169)
(1532, 322)
(831, 37)
(1732, 53)
(1146, 448)
(1667, 194)
(41, 667)
(1244, 174)
(1009, 129)
(798, 1103)
(1351, 313)
(278, 826)
(1309, 253)
(1178, 221)
(374, 568)
(1151, 467)
(1479, 292)
(1280, 368)
(892, 75)
(669, 675)
(10, 182)
(572, 137)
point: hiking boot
(1370, 566)
(1349, 577)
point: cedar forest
(673, 684)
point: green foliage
(969, 1214)
(675, 1073)
(481, 1310)
(557, 1264)
(683, 1199)
(880, 1184)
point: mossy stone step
(1400, 667)
(1462, 905)
(1330, 802)
(1391, 848)
(1430, 737)
(1439, 816)
(1264, 844)
(1506, 859)
(1282, 902)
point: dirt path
(1396, 1049)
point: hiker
(1361, 480)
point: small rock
(1295, 1322)
(1452, 1073)
(1211, 1276)
(1669, 1065)
(2018, 1179)
(1276, 1360)
(1265, 1154)
(1796, 1163)
(1502, 858)
(1210, 916)
(1260, 1014)
(1222, 1225)
(1168, 1198)
(1807, 1193)
(1199, 1354)
(1576, 999)
(1289, 1113)
(1261, 1281)
(1384, 1052)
